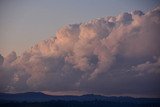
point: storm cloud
(115, 55)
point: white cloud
(92, 57)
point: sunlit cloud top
(23, 23)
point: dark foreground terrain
(33, 99)
(78, 104)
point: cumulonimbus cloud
(116, 55)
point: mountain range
(41, 97)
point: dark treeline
(60, 103)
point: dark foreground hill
(34, 99)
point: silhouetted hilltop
(38, 99)
(38, 96)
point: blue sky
(23, 23)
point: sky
(67, 47)
(23, 23)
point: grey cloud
(1, 59)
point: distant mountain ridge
(41, 97)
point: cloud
(148, 67)
(1, 59)
(115, 55)
(10, 58)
